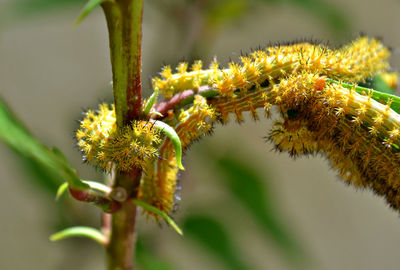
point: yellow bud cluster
(353, 63)
(109, 148)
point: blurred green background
(243, 206)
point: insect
(322, 111)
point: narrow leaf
(39, 176)
(162, 214)
(151, 101)
(171, 134)
(379, 84)
(214, 238)
(98, 186)
(376, 95)
(60, 191)
(90, 5)
(80, 231)
(17, 137)
(26, 8)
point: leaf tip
(180, 166)
(61, 190)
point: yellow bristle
(166, 72)
(182, 68)
(197, 65)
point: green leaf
(176, 141)
(146, 259)
(25, 8)
(47, 182)
(80, 231)
(61, 190)
(17, 137)
(210, 234)
(59, 154)
(98, 186)
(379, 84)
(249, 188)
(39, 176)
(150, 102)
(90, 5)
(162, 214)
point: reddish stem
(97, 198)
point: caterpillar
(359, 136)
(320, 114)
(353, 63)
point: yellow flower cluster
(109, 148)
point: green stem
(124, 21)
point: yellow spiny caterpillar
(359, 135)
(241, 103)
(158, 186)
(320, 114)
(109, 148)
(352, 63)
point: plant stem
(124, 21)
(120, 249)
(181, 99)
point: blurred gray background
(50, 71)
